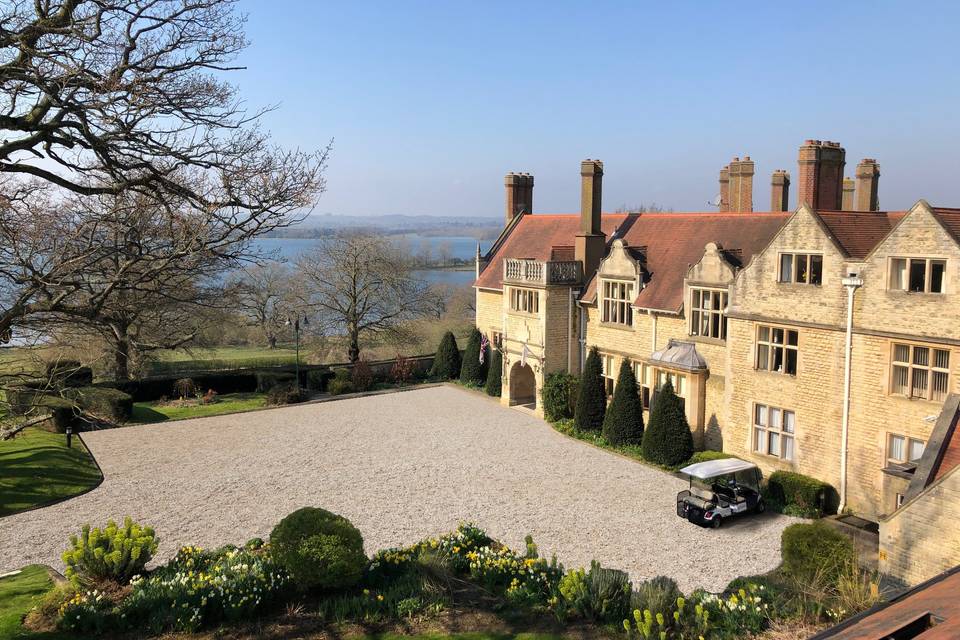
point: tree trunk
(121, 352)
(354, 351)
(272, 341)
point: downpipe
(852, 283)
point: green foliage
(446, 362)
(285, 394)
(495, 374)
(815, 549)
(319, 549)
(623, 422)
(472, 371)
(706, 456)
(112, 554)
(267, 380)
(559, 396)
(341, 383)
(657, 595)
(316, 379)
(600, 594)
(361, 375)
(703, 615)
(103, 402)
(667, 439)
(800, 495)
(592, 397)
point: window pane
(792, 338)
(787, 448)
(921, 356)
(791, 362)
(801, 268)
(938, 388)
(774, 449)
(759, 440)
(918, 274)
(778, 336)
(896, 451)
(816, 269)
(696, 298)
(788, 421)
(777, 360)
(941, 358)
(760, 415)
(919, 387)
(786, 267)
(763, 357)
(774, 418)
(901, 353)
(916, 450)
(765, 334)
(898, 274)
(899, 384)
(937, 269)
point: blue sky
(431, 103)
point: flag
(523, 356)
(484, 344)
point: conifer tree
(446, 363)
(592, 398)
(667, 439)
(495, 373)
(472, 372)
(623, 423)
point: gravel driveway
(402, 467)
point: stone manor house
(823, 340)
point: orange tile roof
(858, 232)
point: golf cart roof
(714, 468)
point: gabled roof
(858, 232)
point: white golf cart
(718, 490)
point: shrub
(495, 374)
(706, 456)
(623, 422)
(267, 380)
(285, 394)
(657, 595)
(361, 375)
(341, 382)
(319, 549)
(401, 371)
(112, 554)
(600, 594)
(667, 439)
(446, 362)
(103, 402)
(815, 549)
(472, 371)
(317, 378)
(592, 396)
(800, 494)
(184, 388)
(559, 395)
(68, 373)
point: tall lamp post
(297, 317)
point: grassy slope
(36, 467)
(145, 412)
(18, 594)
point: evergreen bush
(559, 396)
(341, 383)
(103, 402)
(267, 380)
(446, 362)
(800, 494)
(623, 422)
(815, 551)
(319, 549)
(472, 371)
(667, 439)
(114, 553)
(495, 374)
(592, 396)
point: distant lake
(465, 247)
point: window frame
(648, 387)
(616, 309)
(795, 259)
(698, 311)
(907, 445)
(764, 430)
(892, 273)
(523, 299)
(772, 347)
(911, 367)
(609, 377)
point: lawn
(222, 358)
(37, 467)
(147, 412)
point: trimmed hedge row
(807, 495)
(110, 404)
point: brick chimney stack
(779, 190)
(590, 242)
(848, 190)
(519, 189)
(741, 184)
(868, 180)
(725, 189)
(821, 174)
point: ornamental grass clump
(319, 549)
(623, 422)
(112, 554)
(592, 397)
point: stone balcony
(541, 272)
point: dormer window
(917, 275)
(707, 317)
(616, 302)
(801, 268)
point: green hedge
(800, 494)
(816, 550)
(706, 456)
(69, 373)
(111, 404)
(267, 380)
(495, 374)
(559, 396)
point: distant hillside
(319, 225)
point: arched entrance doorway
(523, 385)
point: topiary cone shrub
(667, 439)
(623, 422)
(495, 374)
(446, 363)
(319, 549)
(471, 371)
(592, 398)
(112, 554)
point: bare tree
(120, 105)
(362, 285)
(261, 293)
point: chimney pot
(519, 194)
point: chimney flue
(725, 188)
(590, 242)
(519, 194)
(848, 191)
(821, 174)
(868, 181)
(741, 184)
(779, 190)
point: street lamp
(296, 330)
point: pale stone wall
(922, 538)
(489, 311)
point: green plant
(319, 549)
(184, 388)
(800, 495)
(809, 549)
(114, 553)
(341, 382)
(495, 374)
(667, 439)
(103, 402)
(472, 371)
(591, 398)
(623, 422)
(254, 543)
(600, 594)
(706, 456)
(361, 375)
(559, 396)
(285, 394)
(657, 595)
(446, 362)
(267, 380)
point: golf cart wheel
(761, 507)
(715, 523)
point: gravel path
(402, 467)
